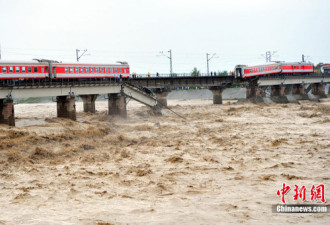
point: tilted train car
(243, 71)
(42, 69)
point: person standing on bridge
(148, 74)
(157, 74)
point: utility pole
(207, 61)
(269, 55)
(77, 53)
(303, 58)
(170, 58)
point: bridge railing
(174, 75)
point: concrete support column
(318, 89)
(261, 91)
(162, 96)
(298, 89)
(277, 93)
(288, 89)
(251, 92)
(7, 115)
(89, 102)
(254, 93)
(277, 90)
(117, 105)
(299, 92)
(217, 94)
(66, 107)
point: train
(49, 69)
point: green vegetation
(195, 72)
(222, 73)
(317, 68)
(29, 100)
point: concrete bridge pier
(299, 92)
(89, 102)
(261, 92)
(162, 96)
(278, 92)
(117, 105)
(217, 94)
(66, 107)
(254, 93)
(7, 115)
(318, 90)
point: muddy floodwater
(223, 164)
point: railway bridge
(153, 91)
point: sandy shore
(222, 165)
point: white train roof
(62, 63)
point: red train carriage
(54, 70)
(297, 68)
(243, 71)
(23, 70)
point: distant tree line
(196, 73)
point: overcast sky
(238, 31)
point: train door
(51, 70)
(239, 72)
(54, 71)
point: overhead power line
(170, 58)
(79, 56)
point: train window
(115, 70)
(77, 70)
(23, 69)
(96, 70)
(35, 69)
(87, 70)
(42, 69)
(4, 69)
(81, 70)
(71, 70)
(92, 70)
(17, 69)
(102, 70)
(30, 69)
(107, 70)
(66, 69)
(110, 70)
(11, 69)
